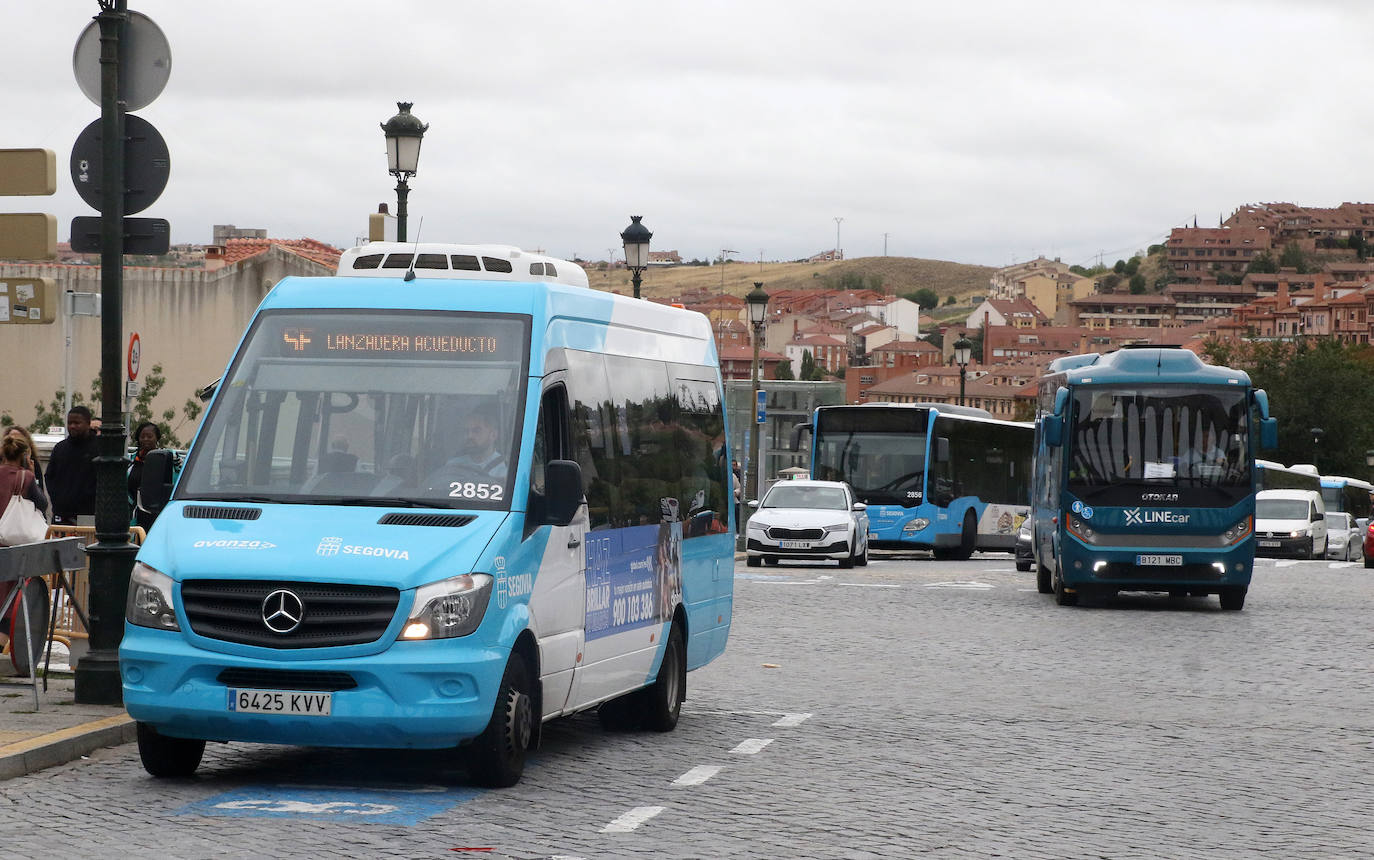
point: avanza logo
(1137, 517)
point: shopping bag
(21, 522)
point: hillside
(898, 275)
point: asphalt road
(908, 708)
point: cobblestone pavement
(909, 708)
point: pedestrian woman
(147, 437)
(36, 466)
(16, 474)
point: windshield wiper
(230, 498)
(366, 501)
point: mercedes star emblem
(282, 611)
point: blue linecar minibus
(438, 499)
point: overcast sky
(979, 132)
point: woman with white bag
(19, 490)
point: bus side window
(551, 442)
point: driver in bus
(477, 458)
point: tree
(1262, 263)
(949, 300)
(783, 370)
(1109, 282)
(1285, 369)
(1120, 267)
(51, 415)
(925, 297)
(1357, 245)
(1132, 266)
(1137, 284)
(1293, 258)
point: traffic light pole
(112, 555)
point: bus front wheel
(968, 538)
(662, 701)
(168, 757)
(1062, 595)
(499, 752)
(1042, 579)
(1233, 598)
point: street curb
(24, 757)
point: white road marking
(752, 746)
(632, 819)
(978, 585)
(791, 721)
(697, 775)
(1285, 563)
(868, 584)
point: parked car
(1369, 545)
(1024, 557)
(808, 520)
(1291, 523)
(1343, 538)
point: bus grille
(795, 534)
(231, 610)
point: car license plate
(1269, 543)
(1159, 560)
(794, 544)
(295, 703)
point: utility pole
(723, 252)
(839, 255)
(885, 235)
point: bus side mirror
(797, 431)
(941, 449)
(1269, 433)
(562, 491)
(155, 490)
(1053, 427)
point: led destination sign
(399, 337)
(299, 340)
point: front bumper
(1117, 568)
(430, 694)
(835, 549)
(1283, 547)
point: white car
(808, 520)
(1344, 539)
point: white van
(1290, 523)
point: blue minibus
(1145, 475)
(439, 499)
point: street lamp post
(1369, 459)
(757, 302)
(963, 348)
(404, 132)
(636, 238)
(1317, 434)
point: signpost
(121, 62)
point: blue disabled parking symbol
(394, 806)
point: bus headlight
(149, 603)
(917, 525)
(448, 608)
(1236, 532)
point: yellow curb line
(40, 741)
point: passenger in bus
(337, 458)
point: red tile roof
(236, 250)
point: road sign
(28, 172)
(135, 352)
(28, 235)
(761, 407)
(146, 164)
(145, 62)
(28, 301)
(151, 236)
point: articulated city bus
(951, 479)
(439, 499)
(1145, 475)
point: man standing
(71, 470)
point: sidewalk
(58, 730)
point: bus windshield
(385, 408)
(1194, 441)
(880, 452)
